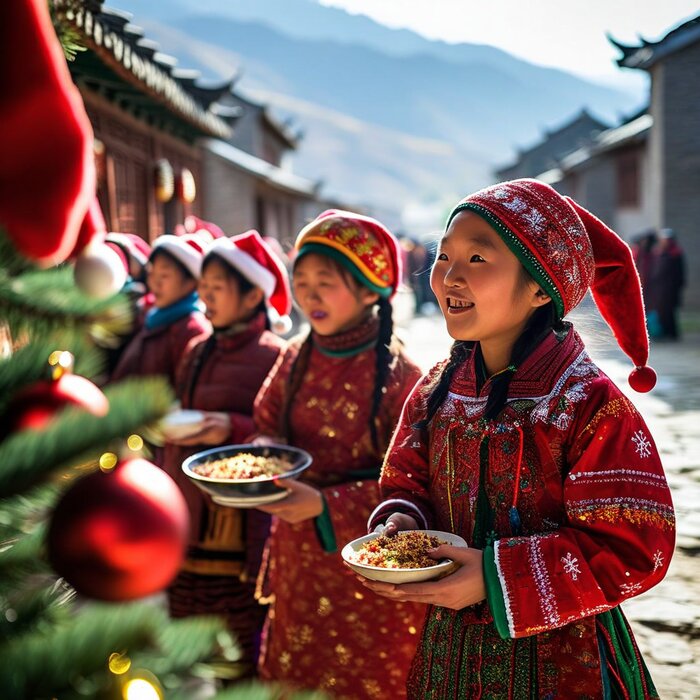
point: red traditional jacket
(160, 350)
(576, 459)
(223, 373)
(324, 630)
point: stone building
(673, 64)
(147, 118)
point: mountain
(387, 114)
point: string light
(62, 362)
(141, 689)
(135, 442)
(119, 663)
(108, 461)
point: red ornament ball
(642, 379)
(120, 535)
(36, 406)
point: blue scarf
(157, 318)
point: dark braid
(296, 376)
(437, 390)
(385, 358)
(543, 322)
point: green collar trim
(519, 249)
(346, 353)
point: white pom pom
(279, 324)
(99, 271)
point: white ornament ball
(99, 271)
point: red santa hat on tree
(189, 250)
(252, 257)
(567, 250)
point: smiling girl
(337, 394)
(522, 446)
(242, 283)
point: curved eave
(152, 78)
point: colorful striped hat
(360, 244)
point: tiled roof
(137, 64)
(647, 53)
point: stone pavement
(666, 619)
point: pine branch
(75, 436)
(48, 662)
(29, 364)
(28, 610)
(21, 558)
(13, 262)
(41, 302)
(183, 644)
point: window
(628, 179)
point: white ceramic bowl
(181, 424)
(379, 573)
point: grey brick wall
(676, 100)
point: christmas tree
(81, 523)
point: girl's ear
(367, 296)
(252, 298)
(541, 298)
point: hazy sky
(568, 34)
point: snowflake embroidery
(642, 444)
(630, 588)
(658, 559)
(501, 193)
(517, 205)
(570, 563)
(536, 219)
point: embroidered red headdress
(361, 244)
(567, 250)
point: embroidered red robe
(324, 629)
(597, 527)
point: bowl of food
(400, 558)
(181, 424)
(246, 476)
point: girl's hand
(267, 440)
(397, 522)
(302, 503)
(464, 587)
(215, 430)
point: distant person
(668, 277)
(643, 255)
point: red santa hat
(189, 250)
(133, 246)
(206, 229)
(567, 250)
(252, 257)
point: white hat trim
(248, 266)
(182, 251)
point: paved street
(666, 619)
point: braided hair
(385, 357)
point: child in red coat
(522, 446)
(336, 393)
(242, 284)
(176, 317)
